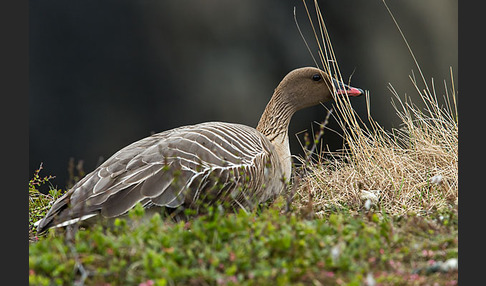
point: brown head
(300, 88)
(309, 86)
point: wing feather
(121, 202)
(157, 183)
(208, 161)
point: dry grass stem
(408, 169)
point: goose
(196, 166)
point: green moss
(243, 249)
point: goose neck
(275, 119)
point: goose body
(199, 165)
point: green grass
(39, 203)
(327, 231)
(271, 247)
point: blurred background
(105, 73)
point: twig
(319, 136)
(70, 234)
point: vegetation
(381, 211)
(39, 203)
(410, 169)
(271, 247)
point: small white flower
(437, 179)
(371, 195)
(335, 252)
(367, 204)
(370, 280)
(449, 264)
(320, 214)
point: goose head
(309, 86)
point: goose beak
(344, 89)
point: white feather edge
(68, 222)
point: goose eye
(316, 77)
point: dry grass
(409, 169)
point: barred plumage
(198, 165)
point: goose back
(183, 167)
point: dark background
(103, 74)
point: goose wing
(206, 162)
